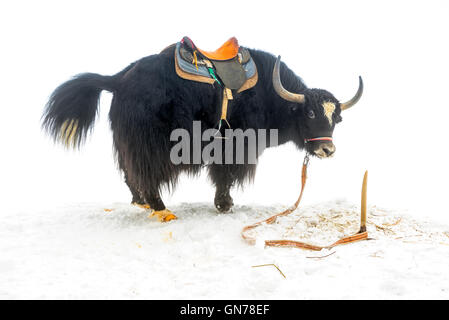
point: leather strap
(361, 235)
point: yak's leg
(158, 206)
(138, 199)
(226, 176)
(223, 200)
(223, 178)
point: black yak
(150, 101)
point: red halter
(319, 139)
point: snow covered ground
(113, 251)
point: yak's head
(320, 112)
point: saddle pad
(188, 70)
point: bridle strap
(319, 139)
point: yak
(150, 101)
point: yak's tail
(72, 108)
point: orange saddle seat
(227, 51)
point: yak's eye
(311, 114)
(338, 119)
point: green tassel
(211, 72)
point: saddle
(227, 51)
(231, 66)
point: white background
(398, 131)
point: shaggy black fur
(150, 101)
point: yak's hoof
(224, 204)
(163, 215)
(141, 205)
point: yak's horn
(280, 90)
(354, 99)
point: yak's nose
(325, 150)
(329, 150)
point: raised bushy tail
(72, 108)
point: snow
(114, 251)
